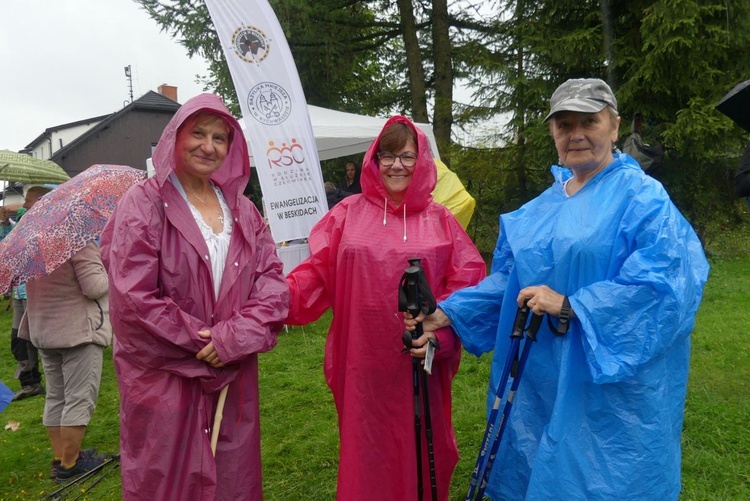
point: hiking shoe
(56, 463)
(87, 461)
(54, 469)
(31, 390)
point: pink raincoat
(161, 294)
(359, 252)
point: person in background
(67, 319)
(27, 358)
(197, 292)
(598, 414)
(742, 177)
(350, 184)
(359, 251)
(649, 157)
(333, 194)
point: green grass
(298, 419)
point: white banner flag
(274, 109)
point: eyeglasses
(387, 159)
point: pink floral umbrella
(62, 222)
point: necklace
(219, 214)
(196, 196)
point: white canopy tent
(339, 134)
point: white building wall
(59, 139)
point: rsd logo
(269, 103)
(250, 44)
(286, 156)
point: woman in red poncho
(196, 291)
(359, 252)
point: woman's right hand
(410, 322)
(208, 354)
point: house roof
(41, 137)
(151, 100)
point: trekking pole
(513, 367)
(108, 466)
(428, 433)
(113, 466)
(417, 425)
(415, 297)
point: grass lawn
(300, 440)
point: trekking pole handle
(522, 317)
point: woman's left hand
(208, 354)
(541, 299)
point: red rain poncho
(358, 255)
(161, 294)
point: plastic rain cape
(599, 412)
(359, 251)
(161, 295)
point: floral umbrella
(62, 222)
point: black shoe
(56, 463)
(54, 468)
(87, 461)
(31, 390)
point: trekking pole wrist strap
(564, 319)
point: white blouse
(217, 243)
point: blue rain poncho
(599, 411)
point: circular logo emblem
(250, 44)
(269, 103)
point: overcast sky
(63, 61)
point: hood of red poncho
(419, 193)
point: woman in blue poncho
(599, 411)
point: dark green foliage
(671, 60)
(333, 42)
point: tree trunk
(441, 52)
(607, 40)
(413, 61)
(520, 102)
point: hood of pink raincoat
(233, 174)
(419, 193)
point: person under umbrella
(197, 292)
(742, 176)
(599, 412)
(358, 253)
(26, 355)
(52, 249)
(67, 320)
(736, 105)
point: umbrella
(736, 105)
(62, 222)
(6, 396)
(27, 169)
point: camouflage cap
(585, 95)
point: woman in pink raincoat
(196, 291)
(359, 252)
